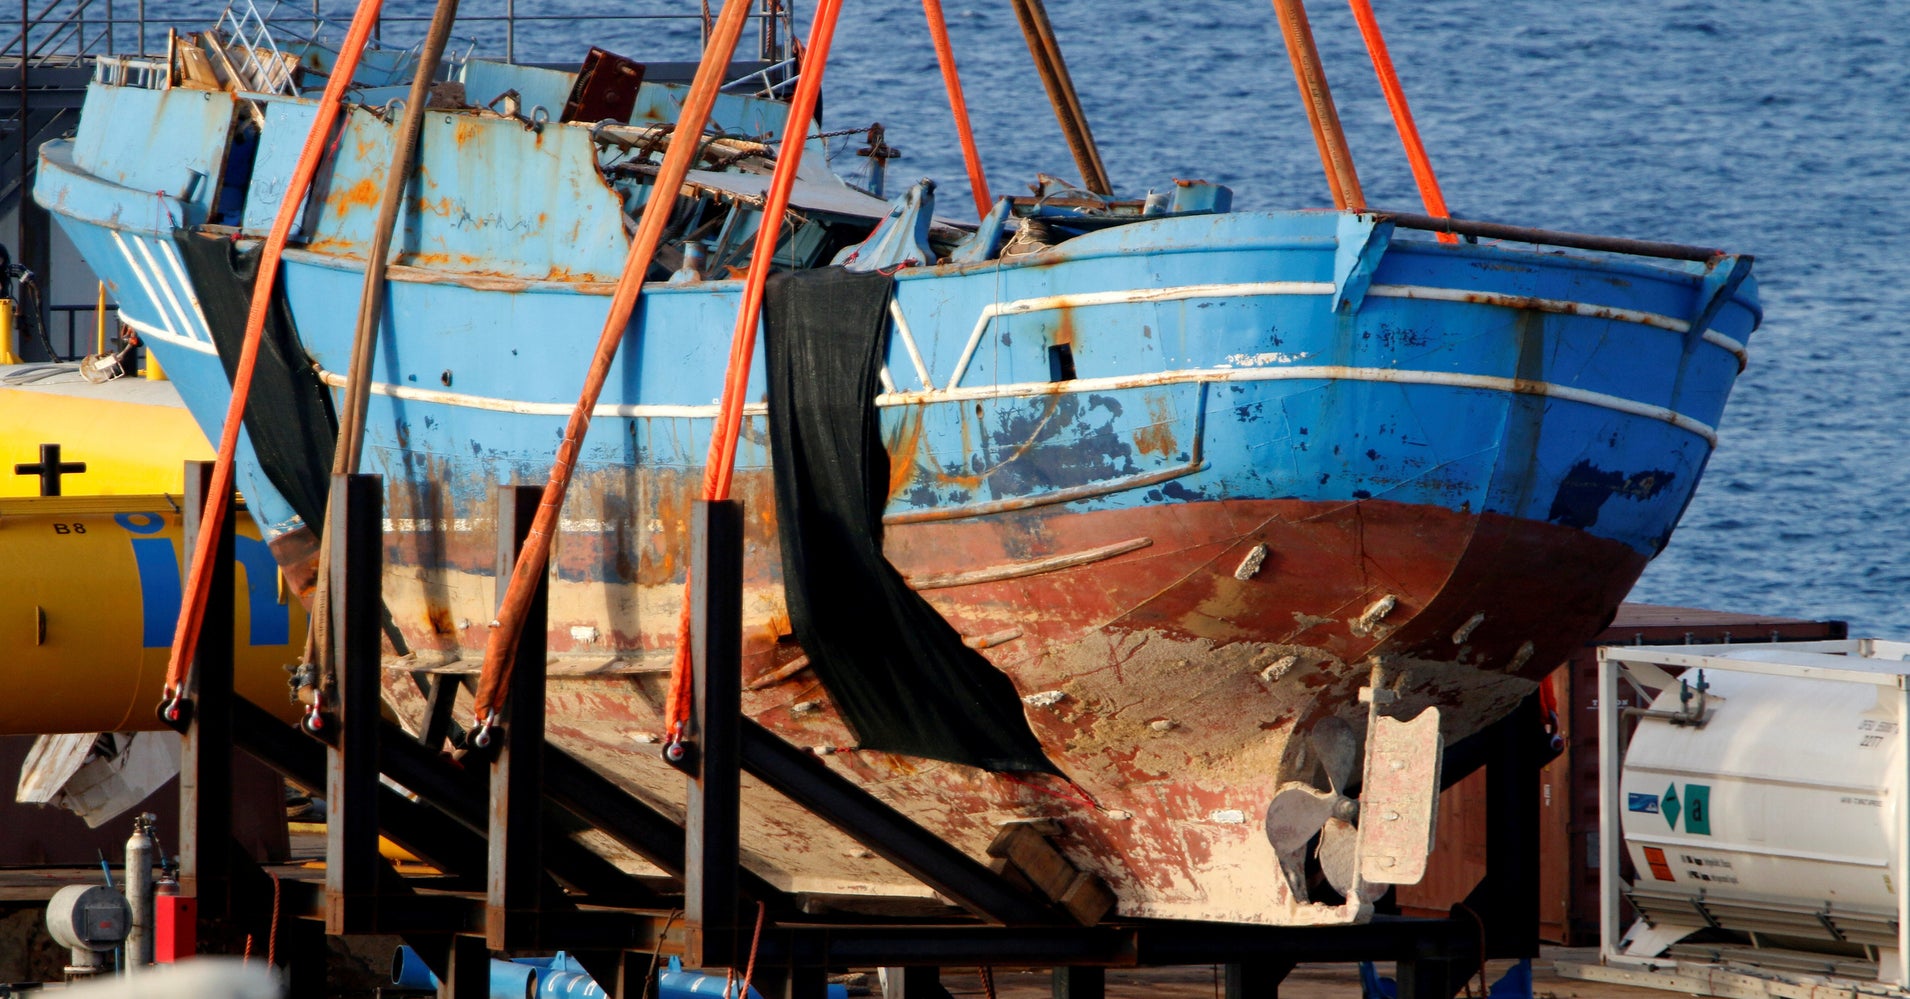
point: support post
(1081, 982)
(468, 975)
(1256, 979)
(716, 642)
(516, 865)
(205, 762)
(1507, 900)
(352, 862)
(1430, 978)
(913, 982)
(805, 983)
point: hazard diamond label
(1670, 806)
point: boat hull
(1181, 480)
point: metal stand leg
(1256, 979)
(517, 772)
(716, 571)
(1082, 982)
(352, 862)
(205, 768)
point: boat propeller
(1372, 834)
(1300, 812)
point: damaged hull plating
(1179, 478)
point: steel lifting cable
(349, 448)
(501, 647)
(720, 468)
(1402, 115)
(185, 642)
(958, 106)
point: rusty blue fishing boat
(1181, 479)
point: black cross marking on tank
(50, 469)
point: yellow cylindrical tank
(90, 600)
(134, 435)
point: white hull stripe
(521, 408)
(146, 285)
(165, 336)
(1396, 376)
(1259, 289)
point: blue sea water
(1771, 128)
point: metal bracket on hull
(1722, 278)
(1363, 240)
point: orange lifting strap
(185, 641)
(958, 106)
(720, 469)
(686, 143)
(1402, 115)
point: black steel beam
(1506, 900)
(1255, 978)
(886, 832)
(463, 796)
(428, 833)
(1081, 982)
(622, 816)
(516, 878)
(441, 697)
(713, 811)
(468, 970)
(354, 525)
(205, 765)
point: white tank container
(1777, 814)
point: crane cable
(500, 648)
(720, 468)
(185, 642)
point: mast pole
(1036, 28)
(1318, 100)
(957, 105)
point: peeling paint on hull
(1172, 816)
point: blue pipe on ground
(509, 979)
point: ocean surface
(1763, 127)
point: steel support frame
(714, 803)
(353, 865)
(205, 764)
(515, 884)
(1025, 931)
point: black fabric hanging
(897, 670)
(288, 414)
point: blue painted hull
(1283, 442)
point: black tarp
(897, 670)
(288, 414)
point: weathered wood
(1088, 899)
(1035, 858)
